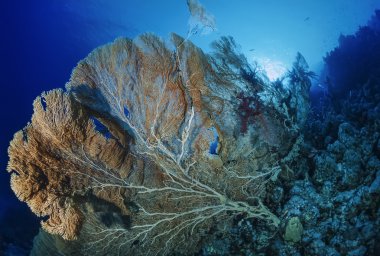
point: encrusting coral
(151, 183)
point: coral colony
(153, 184)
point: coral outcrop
(120, 162)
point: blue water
(42, 41)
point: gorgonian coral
(151, 184)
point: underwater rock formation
(338, 204)
(120, 162)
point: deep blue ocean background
(42, 41)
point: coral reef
(157, 148)
(332, 192)
(146, 181)
(331, 186)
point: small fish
(306, 19)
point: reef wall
(328, 199)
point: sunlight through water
(274, 69)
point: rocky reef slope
(328, 199)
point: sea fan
(151, 186)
